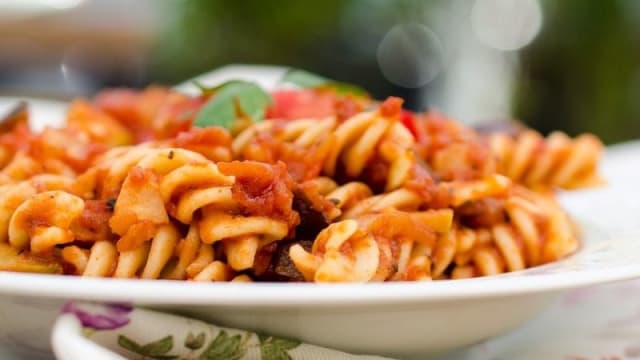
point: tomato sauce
(93, 222)
(263, 189)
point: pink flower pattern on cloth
(104, 317)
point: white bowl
(397, 319)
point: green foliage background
(582, 72)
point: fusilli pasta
(555, 161)
(366, 191)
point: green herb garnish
(231, 101)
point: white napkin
(110, 331)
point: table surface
(597, 323)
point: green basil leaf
(285, 344)
(210, 90)
(158, 347)
(129, 344)
(224, 347)
(305, 79)
(232, 100)
(275, 348)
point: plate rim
(301, 294)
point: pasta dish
(316, 183)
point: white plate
(389, 319)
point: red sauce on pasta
(347, 107)
(396, 226)
(468, 154)
(391, 107)
(263, 189)
(93, 222)
(210, 142)
(482, 213)
(155, 113)
(423, 183)
(136, 235)
(302, 163)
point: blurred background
(572, 65)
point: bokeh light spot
(410, 55)
(506, 24)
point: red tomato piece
(298, 104)
(409, 120)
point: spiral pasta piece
(14, 194)
(354, 199)
(102, 256)
(465, 191)
(156, 258)
(163, 257)
(20, 167)
(157, 186)
(64, 151)
(251, 225)
(346, 146)
(452, 151)
(374, 247)
(535, 231)
(44, 220)
(149, 186)
(513, 245)
(195, 260)
(555, 161)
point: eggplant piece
(282, 264)
(280, 267)
(312, 221)
(482, 213)
(272, 261)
